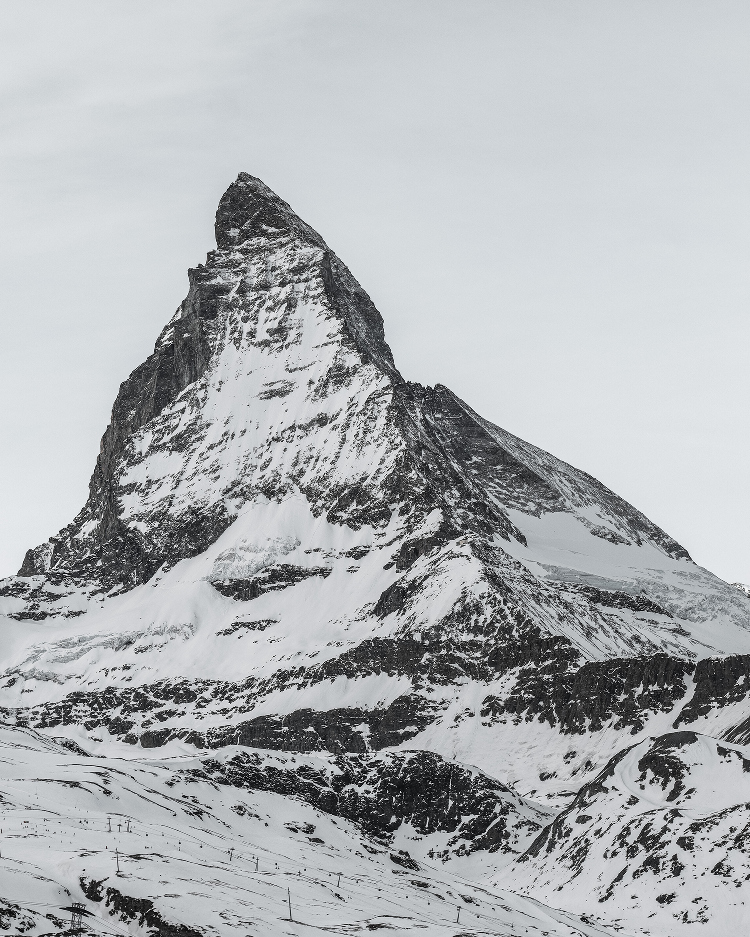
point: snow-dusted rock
(269, 463)
(661, 833)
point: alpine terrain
(326, 651)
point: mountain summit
(286, 546)
(249, 209)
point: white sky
(548, 201)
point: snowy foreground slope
(196, 857)
(290, 554)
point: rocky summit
(317, 619)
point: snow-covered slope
(660, 837)
(286, 546)
(160, 847)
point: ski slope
(217, 860)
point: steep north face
(287, 546)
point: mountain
(288, 547)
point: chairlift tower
(76, 917)
(77, 913)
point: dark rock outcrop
(718, 682)
(379, 794)
(585, 698)
(141, 911)
(279, 576)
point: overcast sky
(548, 201)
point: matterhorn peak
(249, 209)
(273, 380)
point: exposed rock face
(140, 911)
(623, 693)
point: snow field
(220, 859)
